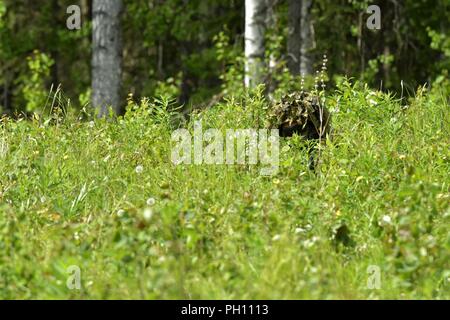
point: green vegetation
(104, 196)
(363, 214)
(177, 44)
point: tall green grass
(81, 193)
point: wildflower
(385, 220)
(147, 214)
(151, 201)
(276, 237)
(91, 124)
(302, 82)
(423, 252)
(139, 169)
(310, 242)
(299, 230)
(120, 213)
(161, 259)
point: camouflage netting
(300, 113)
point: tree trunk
(293, 42)
(300, 38)
(106, 55)
(5, 96)
(271, 24)
(54, 51)
(255, 26)
(306, 38)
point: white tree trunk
(255, 26)
(300, 38)
(106, 55)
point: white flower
(161, 259)
(386, 220)
(276, 237)
(91, 124)
(120, 213)
(423, 252)
(147, 214)
(310, 242)
(151, 201)
(139, 169)
(299, 230)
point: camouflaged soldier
(303, 114)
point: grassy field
(104, 196)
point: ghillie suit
(301, 113)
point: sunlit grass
(104, 196)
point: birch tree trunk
(255, 27)
(106, 55)
(300, 37)
(306, 38)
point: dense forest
(224, 149)
(195, 50)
